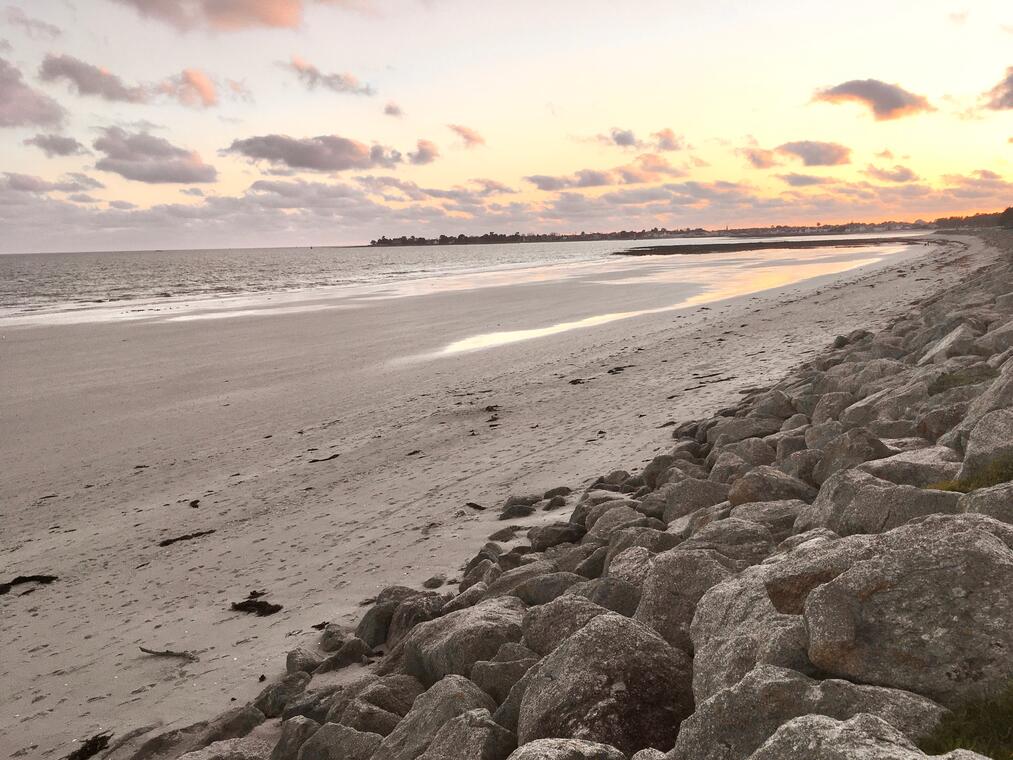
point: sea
(54, 283)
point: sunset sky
(222, 123)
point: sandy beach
(328, 448)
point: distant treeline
(997, 219)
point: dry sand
(112, 431)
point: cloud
(624, 138)
(191, 87)
(239, 90)
(981, 183)
(896, 174)
(33, 27)
(22, 106)
(470, 136)
(760, 158)
(322, 153)
(400, 190)
(56, 145)
(426, 152)
(815, 153)
(145, 158)
(221, 15)
(393, 109)
(958, 17)
(886, 101)
(647, 167)
(312, 77)
(90, 80)
(666, 140)
(82, 198)
(1000, 97)
(804, 180)
(663, 140)
(194, 191)
(29, 183)
(232, 15)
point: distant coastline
(977, 221)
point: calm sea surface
(46, 282)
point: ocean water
(53, 283)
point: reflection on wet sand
(718, 283)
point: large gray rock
(957, 342)
(736, 627)
(863, 737)
(990, 444)
(294, 733)
(610, 521)
(818, 436)
(921, 467)
(743, 542)
(929, 612)
(543, 537)
(692, 494)
(545, 588)
(411, 612)
(852, 502)
(566, 749)
(801, 464)
(443, 702)
(996, 502)
(998, 339)
(614, 681)
(773, 403)
(889, 403)
(848, 450)
(453, 643)
(302, 659)
(510, 580)
(366, 717)
(632, 565)
(766, 483)
(728, 467)
(547, 626)
(333, 741)
(778, 517)
(732, 429)
(733, 723)
(831, 405)
(677, 580)
(496, 677)
(471, 736)
(272, 700)
(613, 594)
(752, 450)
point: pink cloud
(231, 15)
(192, 88)
(471, 138)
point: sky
(150, 124)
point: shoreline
(407, 527)
(669, 250)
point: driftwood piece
(186, 655)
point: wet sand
(331, 445)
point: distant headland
(977, 221)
